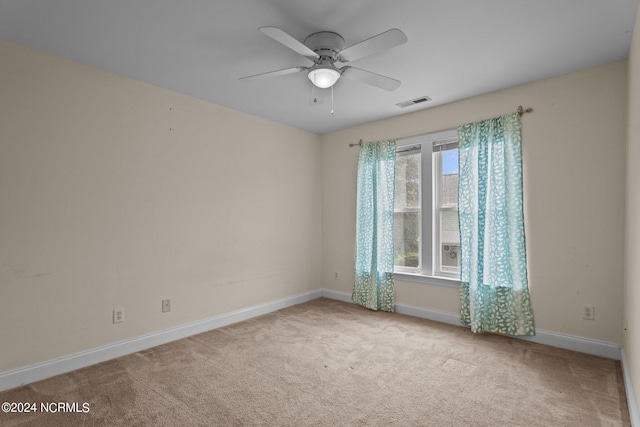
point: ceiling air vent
(413, 101)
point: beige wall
(632, 246)
(115, 193)
(574, 151)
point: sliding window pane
(407, 181)
(448, 245)
(449, 231)
(449, 242)
(449, 178)
(406, 236)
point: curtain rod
(520, 111)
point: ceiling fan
(326, 48)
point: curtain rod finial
(521, 110)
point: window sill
(428, 280)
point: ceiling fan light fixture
(323, 77)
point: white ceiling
(456, 48)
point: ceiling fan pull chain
(314, 90)
(332, 100)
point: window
(426, 235)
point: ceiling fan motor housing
(326, 44)
(325, 48)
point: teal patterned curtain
(494, 289)
(374, 287)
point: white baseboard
(425, 313)
(575, 343)
(50, 368)
(632, 402)
(340, 296)
(554, 339)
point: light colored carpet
(329, 363)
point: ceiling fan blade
(375, 44)
(377, 80)
(281, 37)
(274, 73)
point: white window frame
(428, 273)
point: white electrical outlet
(166, 305)
(588, 312)
(118, 315)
